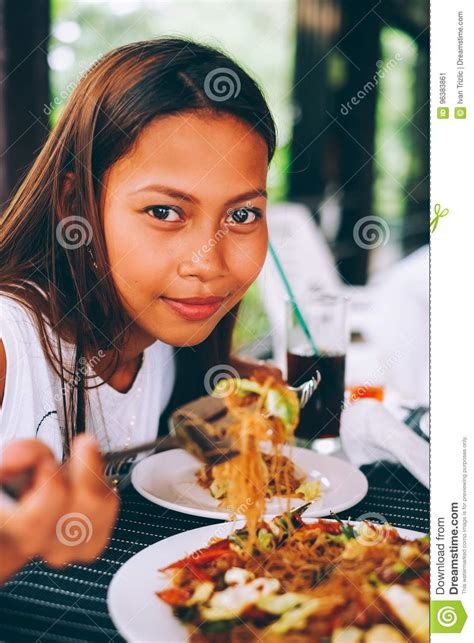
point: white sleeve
(29, 409)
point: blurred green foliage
(252, 323)
(263, 45)
(395, 107)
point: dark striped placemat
(40, 604)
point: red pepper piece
(325, 525)
(202, 556)
(199, 573)
(174, 596)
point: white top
(32, 404)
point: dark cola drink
(321, 416)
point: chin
(190, 337)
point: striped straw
(291, 295)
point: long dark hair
(113, 102)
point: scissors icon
(438, 215)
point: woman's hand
(249, 367)
(66, 514)
(27, 527)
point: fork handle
(15, 485)
(165, 443)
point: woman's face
(184, 220)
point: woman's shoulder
(21, 321)
(9, 313)
(16, 319)
(21, 337)
(11, 305)
(18, 335)
(26, 386)
(19, 329)
(13, 310)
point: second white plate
(169, 479)
(133, 605)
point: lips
(194, 308)
(197, 301)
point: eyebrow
(177, 194)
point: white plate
(169, 479)
(138, 614)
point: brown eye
(243, 216)
(163, 213)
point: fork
(189, 431)
(306, 390)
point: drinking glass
(325, 315)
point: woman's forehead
(193, 150)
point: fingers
(86, 469)
(83, 532)
(30, 524)
(22, 455)
(69, 510)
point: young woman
(130, 244)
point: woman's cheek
(142, 265)
(124, 243)
(247, 258)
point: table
(40, 604)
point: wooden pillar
(24, 87)
(361, 46)
(318, 24)
(328, 146)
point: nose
(206, 262)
